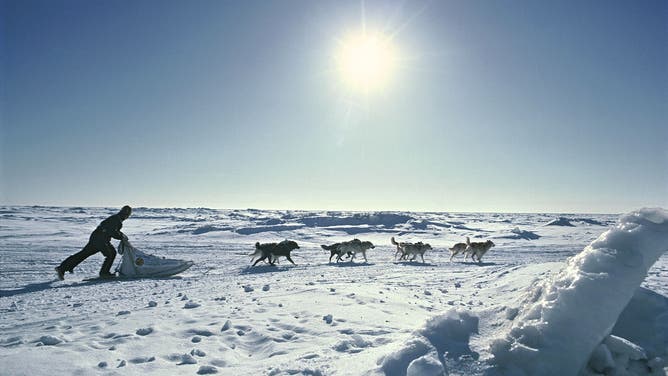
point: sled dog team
(270, 252)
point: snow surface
(506, 316)
(565, 318)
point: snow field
(315, 318)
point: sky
(492, 106)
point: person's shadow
(41, 286)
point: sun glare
(366, 61)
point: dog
(416, 249)
(406, 249)
(334, 250)
(478, 249)
(458, 248)
(353, 247)
(400, 248)
(273, 251)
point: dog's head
(490, 244)
(289, 244)
(427, 246)
(367, 244)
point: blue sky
(516, 106)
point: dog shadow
(475, 263)
(413, 263)
(349, 264)
(261, 269)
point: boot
(61, 273)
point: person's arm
(112, 227)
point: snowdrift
(564, 320)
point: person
(99, 241)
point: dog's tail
(328, 247)
(468, 241)
(394, 241)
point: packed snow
(558, 295)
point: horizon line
(316, 210)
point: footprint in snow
(187, 359)
(144, 331)
(48, 341)
(207, 370)
(142, 359)
(197, 352)
(201, 332)
(191, 305)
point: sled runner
(137, 264)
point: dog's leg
(289, 259)
(364, 254)
(260, 259)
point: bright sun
(366, 61)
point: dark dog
(478, 249)
(334, 249)
(354, 247)
(274, 250)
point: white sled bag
(137, 264)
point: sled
(137, 264)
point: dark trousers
(96, 243)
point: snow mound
(564, 320)
(618, 356)
(443, 336)
(590, 221)
(261, 229)
(644, 321)
(49, 340)
(358, 219)
(561, 221)
(516, 233)
(209, 228)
